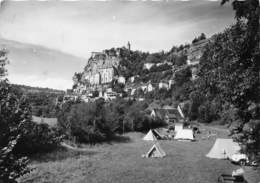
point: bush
(14, 111)
(208, 112)
(37, 138)
(86, 122)
(229, 114)
(196, 101)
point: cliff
(98, 73)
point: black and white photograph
(129, 91)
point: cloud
(81, 27)
(78, 28)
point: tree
(14, 112)
(229, 69)
(248, 11)
(3, 61)
(201, 37)
(86, 122)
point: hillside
(35, 65)
(35, 90)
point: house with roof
(163, 84)
(148, 66)
(121, 79)
(167, 115)
(41, 120)
(150, 87)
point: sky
(80, 27)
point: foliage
(196, 100)
(131, 62)
(118, 87)
(99, 121)
(197, 39)
(85, 121)
(3, 61)
(19, 136)
(229, 114)
(229, 69)
(14, 112)
(182, 93)
(37, 138)
(182, 76)
(155, 57)
(208, 112)
(130, 116)
(43, 103)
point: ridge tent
(178, 126)
(184, 134)
(152, 135)
(157, 134)
(155, 152)
(223, 149)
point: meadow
(121, 161)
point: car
(226, 178)
(239, 158)
(242, 159)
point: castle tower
(128, 45)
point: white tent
(157, 134)
(155, 152)
(180, 111)
(184, 134)
(223, 148)
(152, 135)
(178, 126)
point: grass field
(122, 162)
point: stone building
(100, 70)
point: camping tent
(184, 134)
(223, 148)
(178, 126)
(155, 152)
(152, 135)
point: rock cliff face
(99, 71)
(195, 52)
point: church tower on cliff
(128, 45)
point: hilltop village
(105, 74)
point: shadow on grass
(119, 139)
(59, 154)
(63, 153)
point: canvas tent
(184, 134)
(223, 149)
(155, 152)
(152, 135)
(178, 126)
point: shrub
(86, 122)
(229, 114)
(208, 112)
(37, 138)
(196, 101)
(14, 111)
